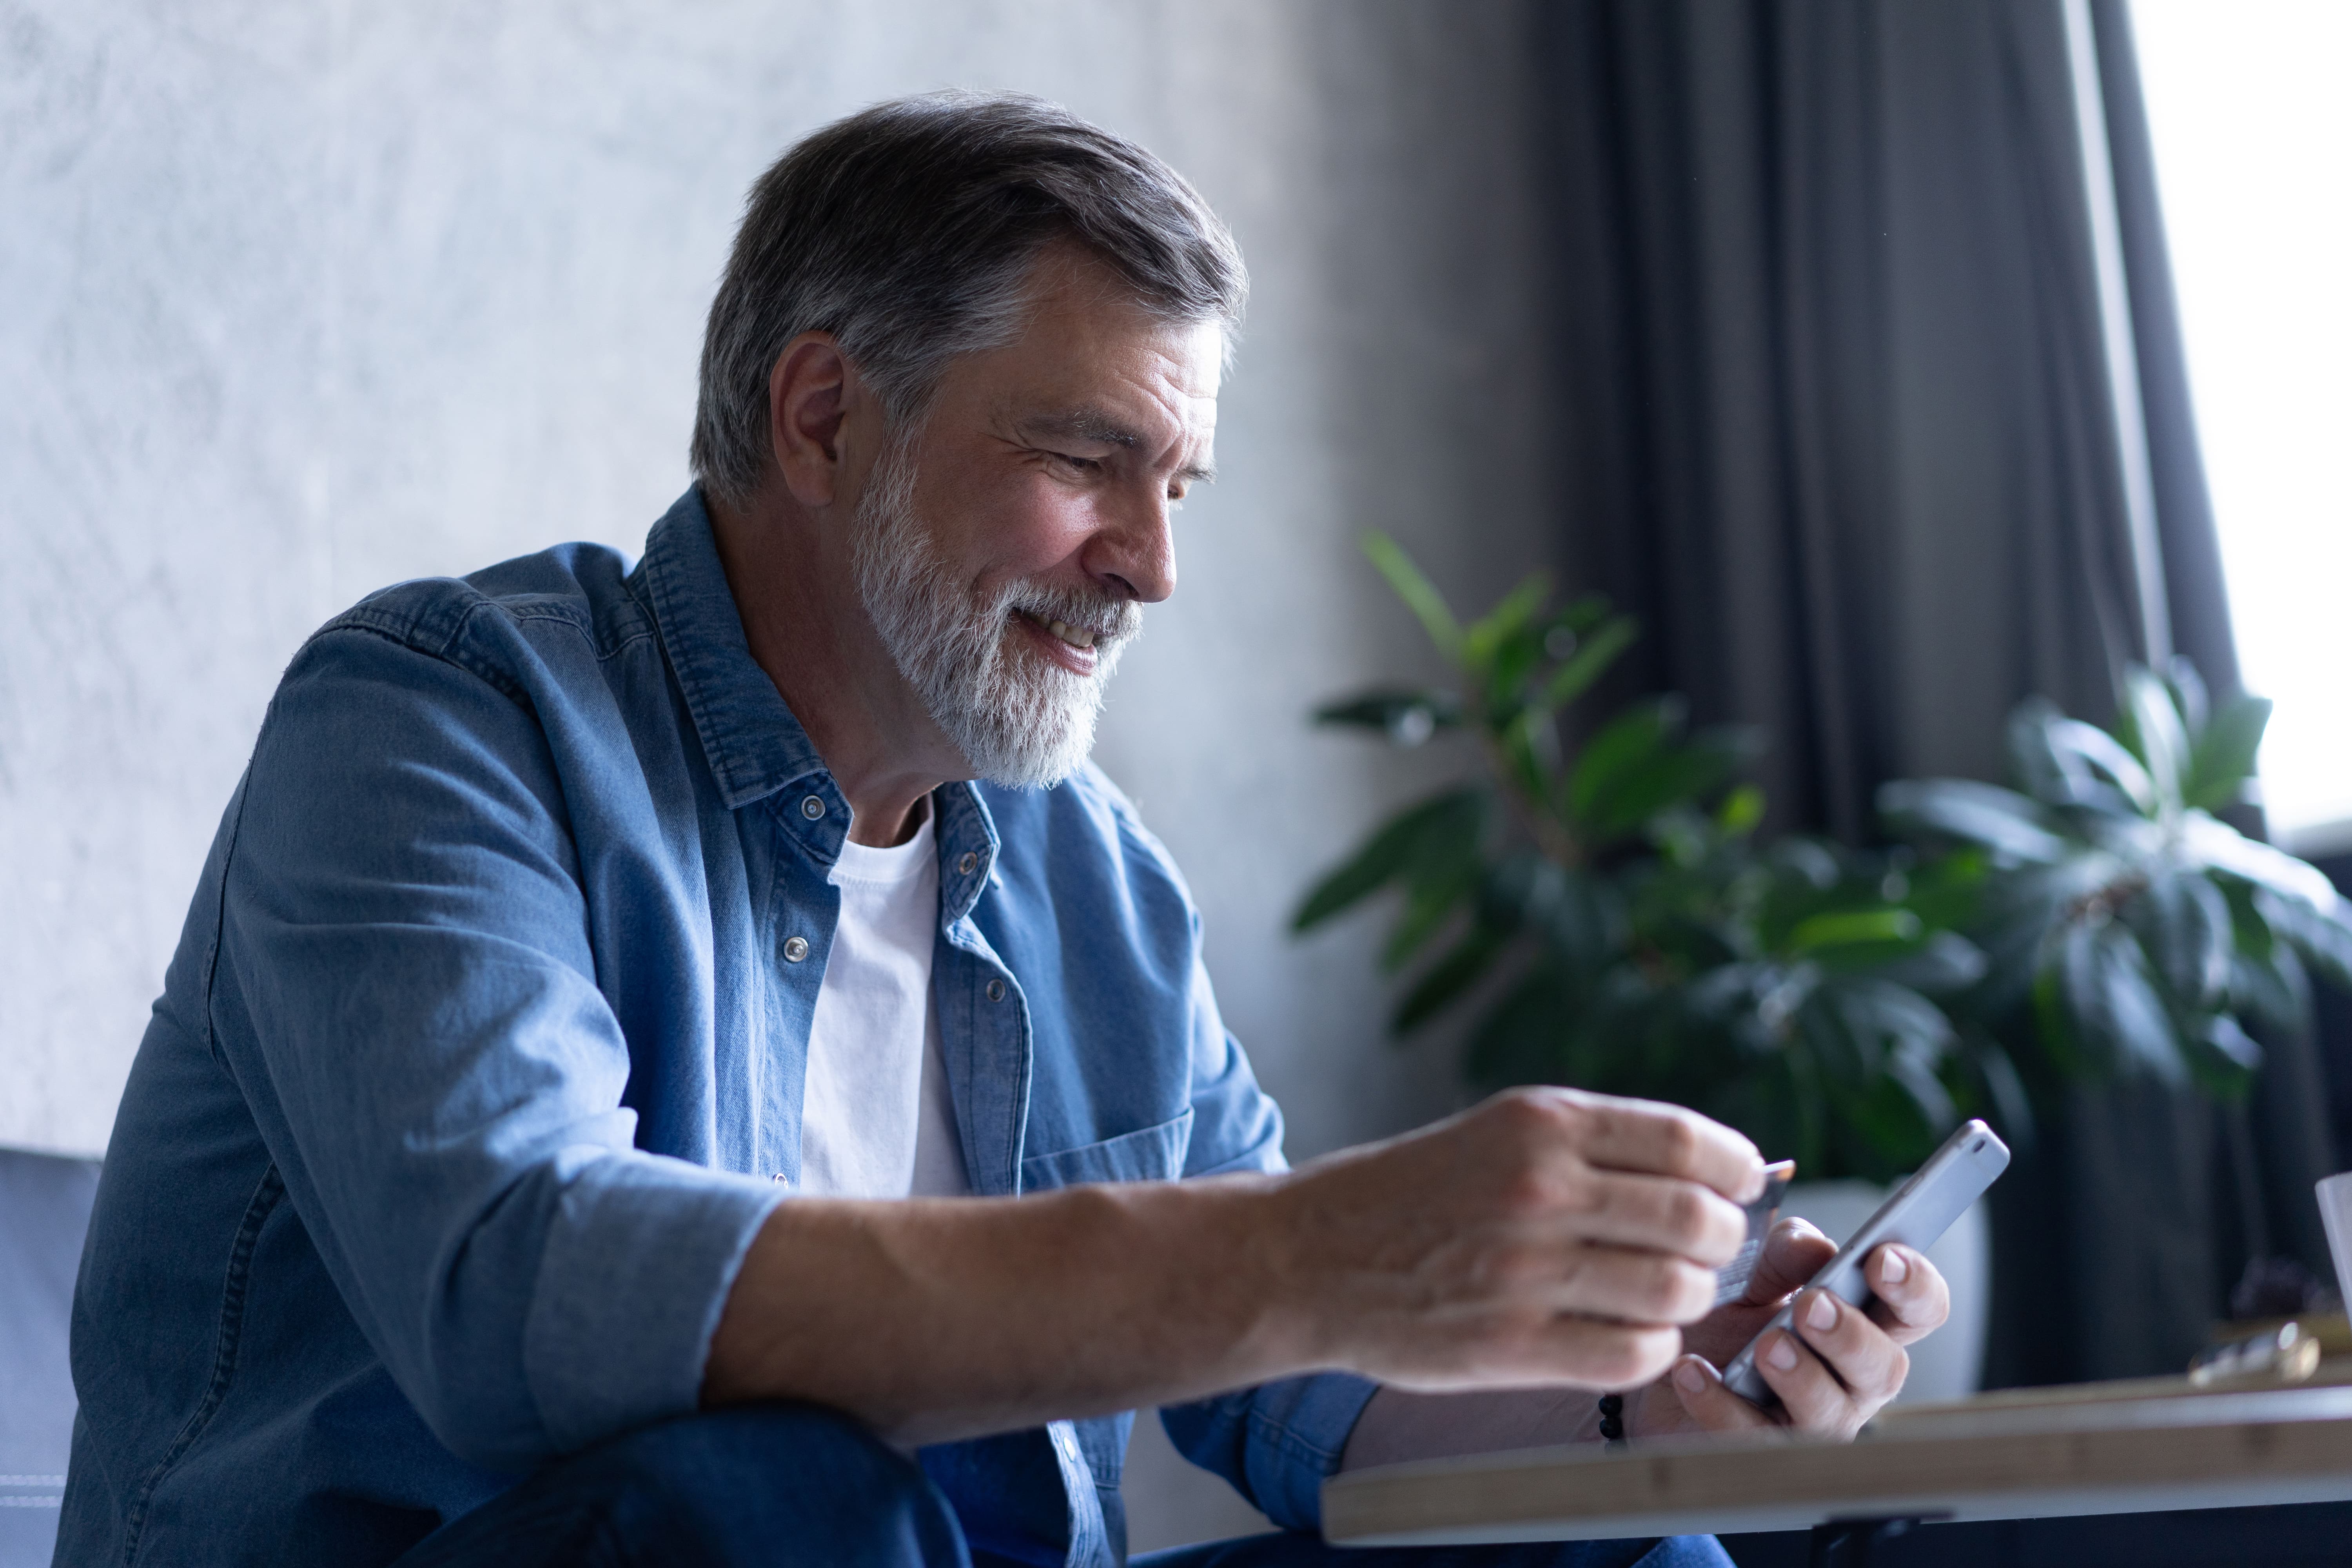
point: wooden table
(2119, 1449)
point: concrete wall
(300, 300)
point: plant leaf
(2214, 843)
(1482, 637)
(2188, 695)
(1621, 744)
(2008, 824)
(1419, 594)
(2105, 753)
(1853, 926)
(1388, 854)
(1594, 654)
(1447, 979)
(2153, 728)
(1407, 716)
(2223, 758)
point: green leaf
(1483, 636)
(1741, 813)
(2211, 842)
(1621, 745)
(1444, 870)
(1408, 717)
(2187, 925)
(2223, 758)
(1419, 596)
(1447, 979)
(2008, 824)
(1388, 854)
(1677, 775)
(1851, 927)
(2152, 727)
(2188, 695)
(2075, 741)
(1599, 649)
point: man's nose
(1134, 554)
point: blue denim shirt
(480, 1062)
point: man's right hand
(1547, 1235)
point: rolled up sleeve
(437, 1073)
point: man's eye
(1083, 464)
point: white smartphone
(1914, 1214)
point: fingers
(1637, 1287)
(1710, 1404)
(1660, 1212)
(1912, 1297)
(1645, 1136)
(1839, 1374)
(1793, 1253)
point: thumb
(1709, 1402)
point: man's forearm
(932, 1320)
(1545, 1237)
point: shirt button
(796, 949)
(996, 990)
(969, 864)
(811, 808)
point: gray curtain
(1838, 428)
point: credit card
(1731, 1279)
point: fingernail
(1896, 1268)
(1823, 1313)
(1688, 1378)
(1783, 1354)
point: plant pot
(1948, 1363)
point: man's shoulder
(573, 593)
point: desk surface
(2138, 1448)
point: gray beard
(1019, 720)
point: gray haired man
(689, 1063)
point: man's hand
(1546, 1235)
(1832, 1373)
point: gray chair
(44, 1209)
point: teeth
(1076, 637)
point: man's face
(1005, 546)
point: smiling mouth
(1075, 636)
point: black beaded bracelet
(1612, 1420)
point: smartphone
(1914, 1214)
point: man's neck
(805, 622)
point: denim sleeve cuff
(1298, 1431)
(638, 1266)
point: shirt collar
(754, 745)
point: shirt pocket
(1149, 1154)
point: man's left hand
(1832, 1373)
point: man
(623, 1096)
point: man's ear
(810, 391)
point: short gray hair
(907, 231)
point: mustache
(1113, 620)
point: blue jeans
(791, 1484)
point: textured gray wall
(300, 300)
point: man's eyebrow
(1094, 425)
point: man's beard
(1019, 718)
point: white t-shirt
(876, 1118)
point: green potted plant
(2128, 928)
(1612, 918)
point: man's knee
(754, 1484)
(778, 1474)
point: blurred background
(1887, 362)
